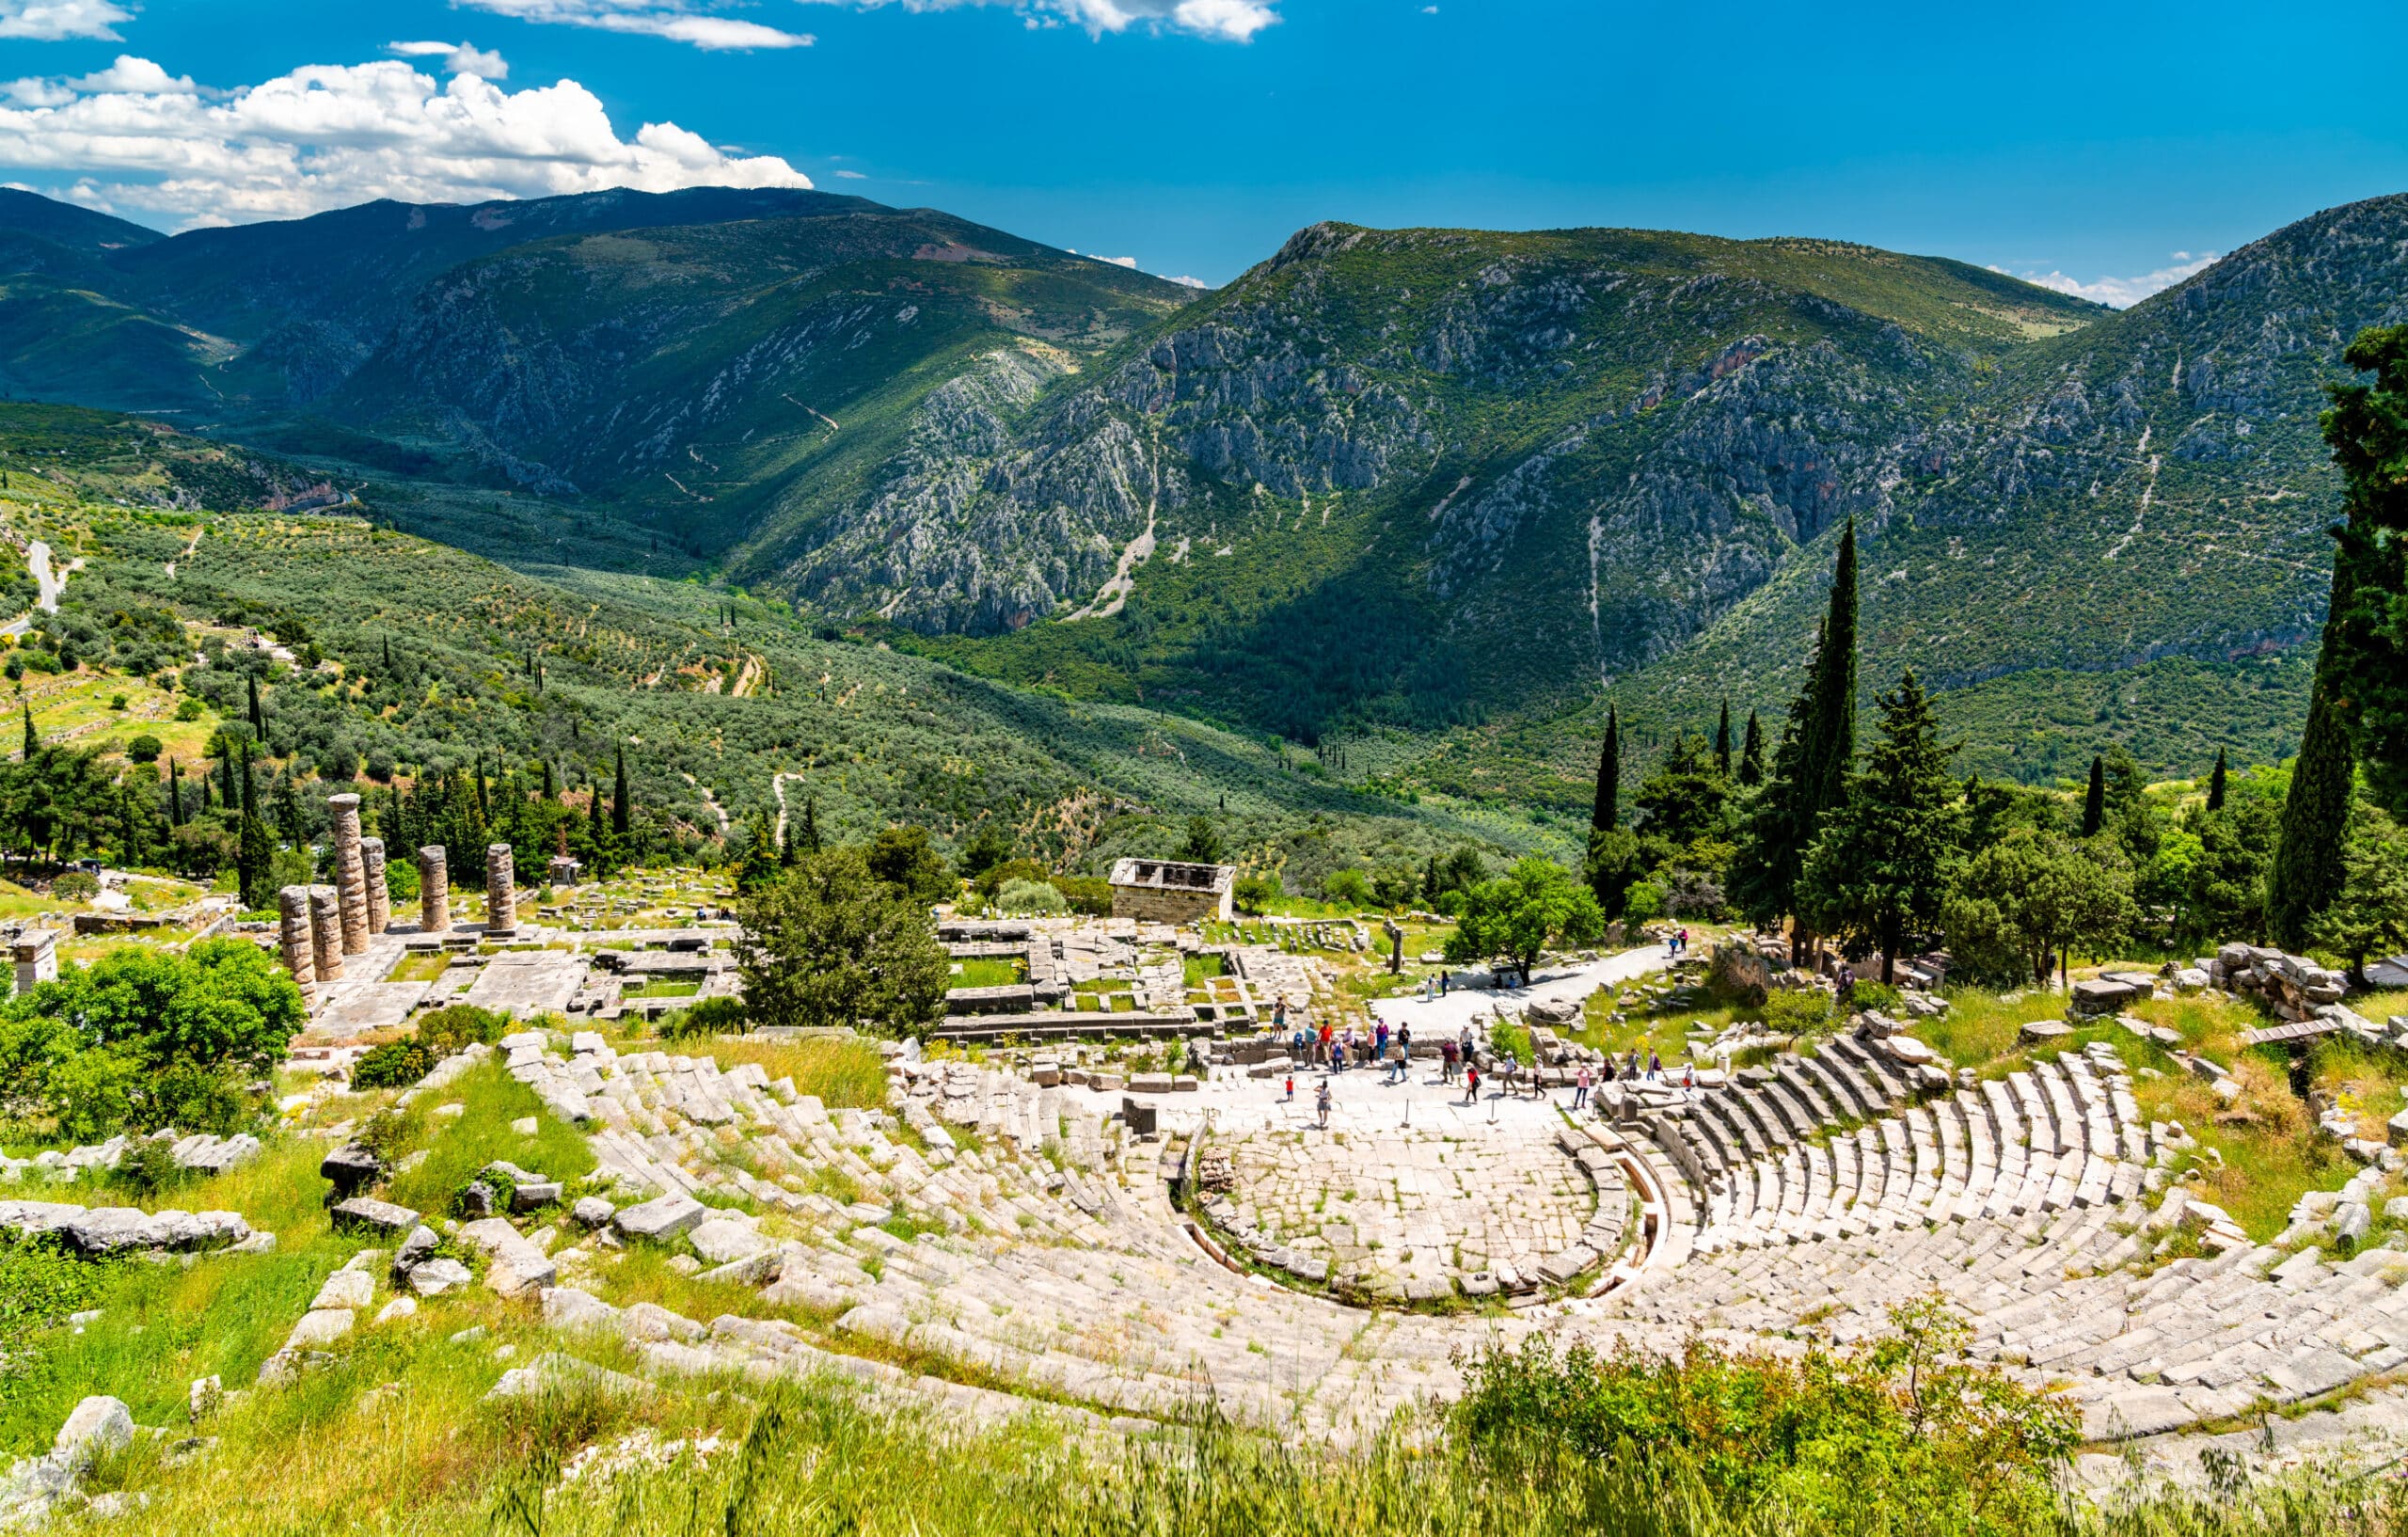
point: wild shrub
(396, 1064)
(1796, 1011)
(1902, 1421)
(1875, 996)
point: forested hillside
(1438, 494)
(405, 661)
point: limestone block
(365, 1214)
(437, 1276)
(660, 1219)
(345, 1289)
(320, 1328)
(98, 1424)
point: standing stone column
(293, 909)
(434, 891)
(351, 873)
(380, 897)
(502, 900)
(325, 933)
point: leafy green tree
(2307, 869)
(2031, 895)
(988, 848)
(903, 858)
(1882, 866)
(1519, 914)
(2225, 898)
(2365, 651)
(1684, 808)
(1203, 845)
(2094, 800)
(1613, 866)
(2369, 915)
(1605, 810)
(832, 944)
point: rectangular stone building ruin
(1168, 891)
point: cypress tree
(254, 851)
(1722, 742)
(1606, 811)
(227, 796)
(547, 781)
(33, 743)
(2094, 803)
(1887, 857)
(2363, 665)
(2307, 872)
(1828, 755)
(1764, 880)
(477, 777)
(175, 795)
(258, 724)
(810, 835)
(594, 810)
(1751, 753)
(2215, 784)
(288, 810)
(620, 819)
(389, 654)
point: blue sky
(2106, 144)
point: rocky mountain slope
(1441, 482)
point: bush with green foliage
(706, 1017)
(398, 1064)
(1796, 1011)
(1874, 997)
(1256, 893)
(1348, 888)
(144, 749)
(75, 886)
(833, 943)
(1030, 897)
(1961, 1447)
(147, 1038)
(1087, 894)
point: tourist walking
(1444, 979)
(1655, 1066)
(1446, 1062)
(1323, 1056)
(1338, 1057)
(1292, 1087)
(1685, 939)
(1580, 1087)
(1320, 1104)
(1630, 1069)
(1380, 1039)
(1402, 1063)
(1471, 1085)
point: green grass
(842, 1073)
(662, 989)
(989, 971)
(458, 1147)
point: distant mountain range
(1434, 490)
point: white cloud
(458, 57)
(49, 21)
(1129, 261)
(2121, 292)
(1230, 21)
(132, 76)
(676, 19)
(1185, 281)
(331, 135)
(851, 176)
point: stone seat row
(2063, 1133)
(1765, 1110)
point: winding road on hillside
(52, 582)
